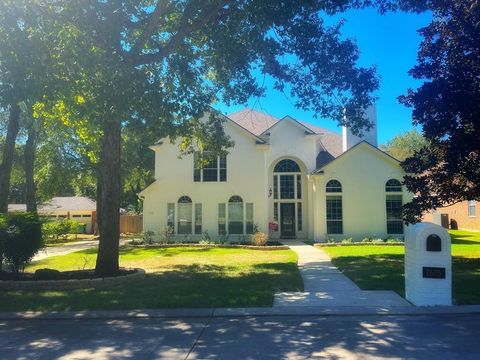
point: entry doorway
(287, 220)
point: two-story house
(287, 178)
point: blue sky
(389, 41)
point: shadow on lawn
(185, 286)
(374, 272)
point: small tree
(405, 145)
(21, 235)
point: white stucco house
(291, 179)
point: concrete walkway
(325, 285)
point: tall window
(221, 219)
(394, 214)
(334, 214)
(184, 215)
(214, 167)
(334, 207)
(171, 215)
(249, 218)
(235, 215)
(287, 188)
(299, 216)
(393, 204)
(472, 208)
(198, 219)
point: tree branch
(184, 29)
(151, 26)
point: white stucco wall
(246, 177)
(363, 172)
(289, 141)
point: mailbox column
(428, 265)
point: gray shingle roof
(254, 121)
(257, 122)
(69, 203)
(61, 203)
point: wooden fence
(131, 224)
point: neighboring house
(77, 208)
(290, 179)
(463, 215)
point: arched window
(393, 185)
(334, 207)
(286, 166)
(333, 186)
(235, 215)
(184, 215)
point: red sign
(273, 226)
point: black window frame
(215, 170)
(334, 216)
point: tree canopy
(447, 106)
(405, 145)
(117, 69)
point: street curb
(242, 312)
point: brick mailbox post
(428, 265)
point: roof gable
(291, 120)
(354, 148)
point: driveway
(68, 248)
(290, 337)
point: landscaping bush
(347, 241)
(59, 229)
(21, 238)
(147, 237)
(166, 234)
(259, 238)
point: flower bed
(269, 246)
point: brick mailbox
(428, 265)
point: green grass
(176, 278)
(382, 267)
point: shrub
(259, 238)
(206, 238)
(347, 241)
(393, 241)
(54, 230)
(378, 241)
(331, 241)
(21, 238)
(147, 236)
(366, 240)
(166, 234)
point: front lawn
(176, 278)
(381, 267)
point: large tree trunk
(8, 153)
(30, 149)
(108, 201)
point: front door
(287, 220)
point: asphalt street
(452, 336)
